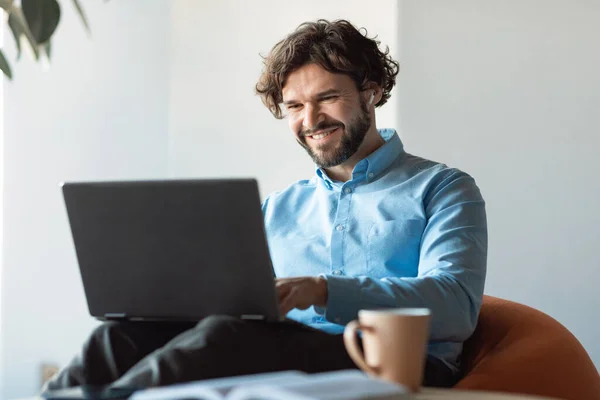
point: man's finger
(286, 304)
(282, 291)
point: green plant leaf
(42, 17)
(81, 14)
(47, 47)
(6, 4)
(18, 26)
(4, 66)
(14, 27)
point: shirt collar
(375, 163)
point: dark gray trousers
(144, 354)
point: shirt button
(337, 272)
(337, 320)
(371, 175)
(348, 190)
(339, 227)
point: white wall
(509, 91)
(99, 112)
(218, 127)
(1, 197)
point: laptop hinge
(115, 316)
(253, 317)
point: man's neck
(343, 172)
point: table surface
(453, 394)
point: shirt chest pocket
(393, 248)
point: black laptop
(172, 249)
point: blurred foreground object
(33, 22)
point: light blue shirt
(403, 232)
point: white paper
(216, 389)
(337, 385)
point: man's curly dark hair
(337, 47)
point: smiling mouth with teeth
(322, 135)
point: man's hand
(301, 292)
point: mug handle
(351, 343)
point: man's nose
(312, 116)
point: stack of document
(287, 385)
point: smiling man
(376, 227)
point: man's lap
(144, 354)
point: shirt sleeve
(451, 272)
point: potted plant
(33, 23)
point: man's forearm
(454, 306)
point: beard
(333, 154)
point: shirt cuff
(343, 298)
(321, 310)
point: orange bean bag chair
(519, 349)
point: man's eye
(293, 106)
(329, 98)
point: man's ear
(375, 94)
